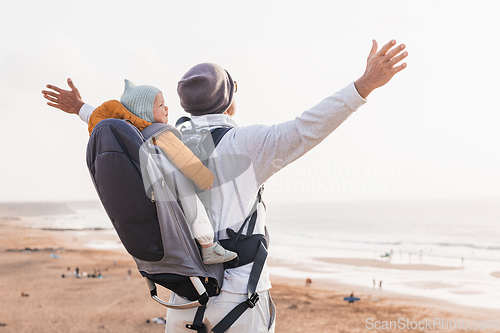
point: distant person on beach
(206, 91)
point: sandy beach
(36, 298)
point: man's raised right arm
(273, 147)
(69, 101)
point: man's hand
(381, 67)
(68, 101)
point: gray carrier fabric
(149, 216)
(173, 178)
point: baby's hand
(210, 188)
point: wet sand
(118, 302)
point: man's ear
(231, 110)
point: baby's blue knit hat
(140, 100)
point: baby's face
(160, 110)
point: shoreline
(469, 285)
(368, 294)
(120, 302)
(320, 308)
(384, 264)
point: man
(206, 92)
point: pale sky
(432, 132)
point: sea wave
(458, 250)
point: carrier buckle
(195, 327)
(252, 300)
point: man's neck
(213, 120)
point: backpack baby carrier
(151, 208)
(151, 205)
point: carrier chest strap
(253, 297)
(252, 219)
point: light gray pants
(260, 319)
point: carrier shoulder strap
(197, 324)
(251, 220)
(206, 196)
(258, 264)
(253, 297)
(218, 134)
(253, 280)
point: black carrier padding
(114, 164)
(181, 285)
(236, 312)
(246, 248)
(218, 134)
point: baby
(143, 105)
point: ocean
(409, 238)
(443, 249)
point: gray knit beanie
(140, 100)
(206, 89)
